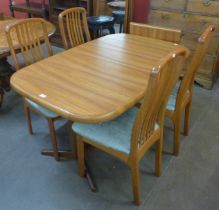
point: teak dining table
(96, 81)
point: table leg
(69, 154)
(5, 75)
(73, 155)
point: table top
(4, 50)
(96, 81)
(117, 5)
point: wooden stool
(98, 23)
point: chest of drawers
(192, 17)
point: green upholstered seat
(171, 104)
(41, 109)
(114, 134)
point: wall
(140, 10)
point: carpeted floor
(30, 181)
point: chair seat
(41, 109)
(171, 104)
(114, 134)
(100, 20)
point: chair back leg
(158, 157)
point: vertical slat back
(73, 26)
(166, 34)
(27, 37)
(162, 80)
(201, 49)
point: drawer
(186, 22)
(206, 7)
(166, 19)
(197, 23)
(177, 5)
(190, 40)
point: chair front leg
(136, 182)
(73, 140)
(158, 158)
(188, 110)
(81, 156)
(28, 118)
(53, 138)
(176, 140)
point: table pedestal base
(5, 75)
(70, 154)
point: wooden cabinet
(192, 17)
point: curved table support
(5, 75)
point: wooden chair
(181, 98)
(73, 26)
(22, 34)
(130, 135)
(166, 34)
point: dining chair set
(131, 135)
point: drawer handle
(206, 3)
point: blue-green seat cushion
(171, 104)
(114, 134)
(41, 109)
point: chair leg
(176, 143)
(188, 110)
(81, 157)
(73, 140)
(136, 182)
(53, 138)
(111, 29)
(28, 118)
(158, 157)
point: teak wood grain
(96, 81)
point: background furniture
(192, 17)
(5, 69)
(98, 23)
(58, 6)
(30, 7)
(73, 26)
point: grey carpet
(29, 180)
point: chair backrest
(201, 49)
(73, 26)
(156, 32)
(27, 36)
(162, 80)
